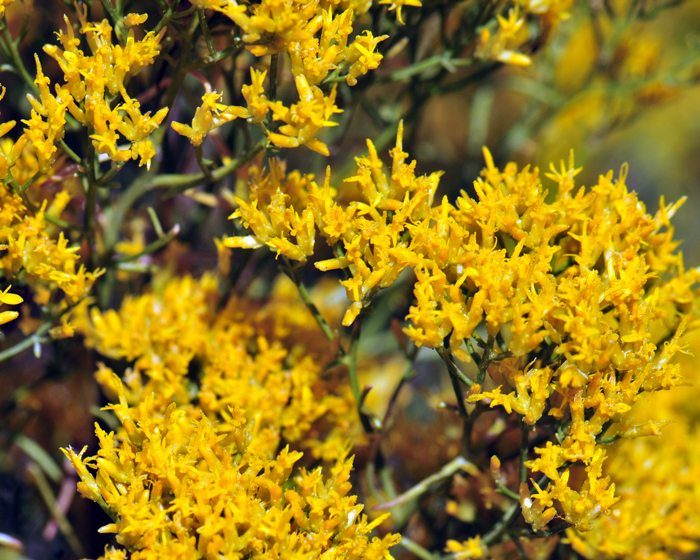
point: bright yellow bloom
(45, 127)
(304, 119)
(208, 116)
(275, 213)
(181, 485)
(94, 81)
(255, 97)
(9, 299)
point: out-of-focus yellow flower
(3, 6)
(471, 548)
(398, 4)
(130, 20)
(242, 350)
(30, 248)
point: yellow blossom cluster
(258, 357)
(315, 35)
(92, 84)
(656, 479)
(576, 294)
(29, 247)
(512, 32)
(181, 485)
(95, 81)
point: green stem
(199, 153)
(306, 298)
(181, 67)
(272, 92)
(167, 16)
(28, 342)
(107, 5)
(352, 358)
(417, 549)
(156, 222)
(16, 59)
(454, 466)
(452, 368)
(505, 491)
(500, 527)
(107, 177)
(179, 183)
(207, 34)
(90, 224)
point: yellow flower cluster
(29, 246)
(181, 485)
(258, 357)
(656, 479)
(472, 548)
(579, 289)
(94, 82)
(511, 33)
(317, 42)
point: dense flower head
(30, 246)
(562, 288)
(656, 471)
(557, 313)
(181, 485)
(94, 81)
(316, 37)
(242, 356)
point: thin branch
(457, 464)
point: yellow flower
(9, 299)
(94, 80)
(45, 134)
(471, 548)
(254, 95)
(398, 4)
(3, 6)
(304, 119)
(208, 116)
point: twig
(417, 549)
(306, 298)
(457, 464)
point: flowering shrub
(371, 358)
